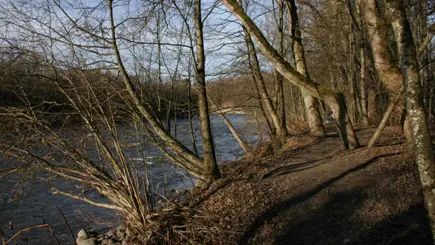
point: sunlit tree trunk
(231, 127)
(414, 104)
(363, 86)
(264, 95)
(210, 165)
(311, 103)
(270, 126)
(279, 91)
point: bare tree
(409, 75)
(68, 49)
(210, 164)
(377, 32)
(263, 93)
(279, 80)
(334, 99)
(311, 103)
(188, 160)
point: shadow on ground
(295, 167)
(333, 222)
(332, 225)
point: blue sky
(223, 38)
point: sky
(40, 20)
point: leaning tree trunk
(271, 128)
(233, 130)
(236, 136)
(289, 73)
(210, 165)
(265, 98)
(384, 120)
(414, 105)
(311, 103)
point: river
(36, 205)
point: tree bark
(414, 105)
(210, 165)
(311, 103)
(372, 109)
(363, 87)
(287, 70)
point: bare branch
(84, 199)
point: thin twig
(84, 199)
(67, 225)
(53, 235)
(28, 229)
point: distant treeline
(54, 93)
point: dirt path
(321, 194)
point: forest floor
(315, 192)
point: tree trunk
(230, 126)
(372, 109)
(263, 111)
(384, 120)
(189, 115)
(279, 91)
(344, 126)
(311, 104)
(281, 65)
(313, 115)
(414, 105)
(294, 109)
(210, 165)
(233, 131)
(264, 95)
(363, 87)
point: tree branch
(84, 199)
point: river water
(30, 204)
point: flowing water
(30, 204)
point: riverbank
(315, 193)
(26, 198)
(310, 192)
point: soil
(315, 192)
